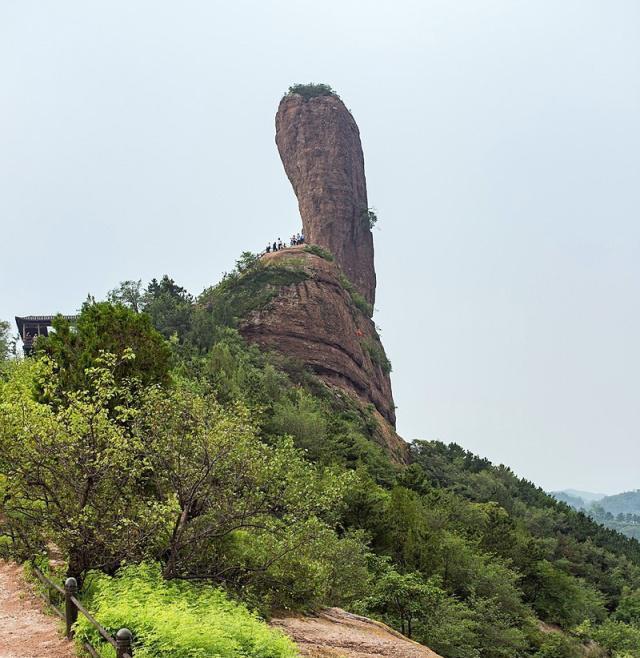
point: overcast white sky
(502, 148)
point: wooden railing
(122, 641)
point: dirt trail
(25, 630)
(335, 633)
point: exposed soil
(25, 630)
(335, 633)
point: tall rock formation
(319, 144)
(314, 311)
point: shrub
(558, 645)
(376, 352)
(370, 216)
(250, 287)
(311, 90)
(176, 619)
(621, 640)
(357, 298)
(319, 251)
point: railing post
(70, 610)
(123, 643)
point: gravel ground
(25, 630)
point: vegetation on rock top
(311, 90)
(319, 251)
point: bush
(370, 216)
(376, 352)
(319, 251)
(621, 640)
(248, 288)
(311, 90)
(558, 645)
(357, 298)
(176, 619)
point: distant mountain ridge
(619, 512)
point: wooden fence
(122, 641)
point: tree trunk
(174, 546)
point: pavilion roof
(46, 320)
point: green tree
(565, 600)
(403, 597)
(628, 610)
(227, 485)
(71, 475)
(170, 307)
(104, 328)
(558, 645)
(128, 293)
(619, 639)
(5, 340)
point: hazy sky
(502, 148)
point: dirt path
(25, 630)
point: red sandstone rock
(317, 322)
(319, 144)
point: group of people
(296, 239)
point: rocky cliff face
(320, 317)
(319, 144)
(317, 322)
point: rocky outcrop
(322, 315)
(317, 322)
(336, 633)
(319, 144)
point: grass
(319, 251)
(239, 293)
(356, 297)
(176, 619)
(376, 352)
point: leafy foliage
(104, 328)
(311, 90)
(6, 343)
(378, 355)
(370, 216)
(319, 251)
(356, 297)
(241, 468)
(129, 294)
(173, 619)
(71, 473)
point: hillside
(620, 512)
(206, 462)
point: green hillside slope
(620, 512)
(237, 467)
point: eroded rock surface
(319, 144)
(317, 322)
(335, 633)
